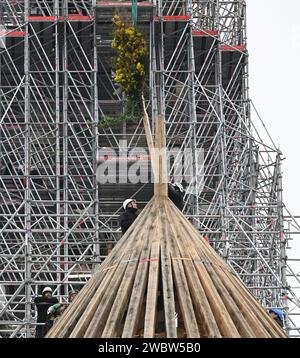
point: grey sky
(273, 29)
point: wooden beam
(139, 285)
(161, 187)
(149, 138)
(151, 301)
(167, 280)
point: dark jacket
(279, 321)
(176, 196)
(42, 305)
(127, 218)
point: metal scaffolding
(56, 222)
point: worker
(129, 215)
(278, 315)
(176, 194)
(72, 295)
(42, 304)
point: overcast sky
(273, 29)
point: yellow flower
(131, 54)
(129, 31)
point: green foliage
(130, 71)
(130, 64)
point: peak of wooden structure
(163, 279)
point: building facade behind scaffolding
(57, 223)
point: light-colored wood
(120, 302)
(89, 313)
(167, 280)
(211, 300)
(161, 187)
(98, 321)
(151, 302)
(147, 127)
(141, 251)
(185, 300)
(222, 317)
(265, 319)
(149, 138)
(238, 319)
(246, 310)
(208, 326)
(60, 329)
(140, 281)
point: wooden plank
(206, 251)
(149, 138)
(207, 254)
(206, 319)
(97, 322)
(139, 286)
(167, 281)
(151, 301)
(183, 294)
(161, 188)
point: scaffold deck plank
(205, 33)
(12, 33)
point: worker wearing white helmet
(47, 289)
(42, 304)
(129, 215)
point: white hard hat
(179, 186)
(126, 202)
(47, 289)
